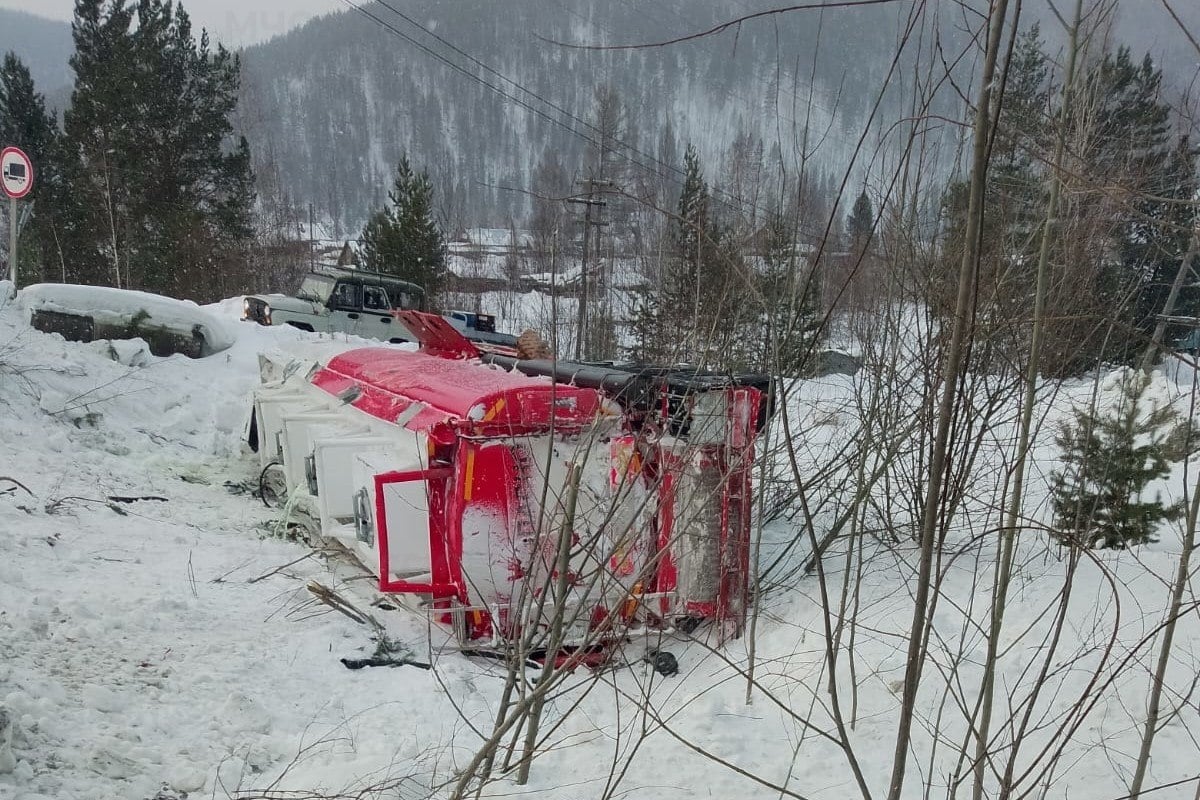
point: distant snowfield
(141, 650)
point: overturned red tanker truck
(506, 493)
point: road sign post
(12, 240)
(16, 180)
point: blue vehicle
(479, 328)
(1189, 344)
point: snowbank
(136, 653)
(129, 308)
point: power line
(659, 165)
(565, 112)
(460, 69)
(724, 26)
(568, 114)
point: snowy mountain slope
(330, 107)
(44, 45)
(138, 648)
(478, 97)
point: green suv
(339, 300)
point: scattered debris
(16, 485)
(383, 661)
(118, 498)
(241, 488)
(279, 569)
(167, 792)
(388, 653)
(338, 603)
(663, 662)
(54, 506)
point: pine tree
(1024, 118)
(98, 144)
(692, 231)
(403, 239)
(1109, 457)
(1010, 228)
(162, 189)
(1156, 239)
(1132, 146)
(25, 123)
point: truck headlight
(245, 308)
(266, 314)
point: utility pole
(588, 203)
(312, 243)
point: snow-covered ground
(169, 644)
(135, 648)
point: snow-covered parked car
(338, 300)
(88, 313)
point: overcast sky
(234, 22)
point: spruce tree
(403, 239)
(860, 226)
(1010, 230)
(1109, 456)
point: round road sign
(16, 172)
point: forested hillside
(44, 45)
(330, 107)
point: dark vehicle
(15, 171)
